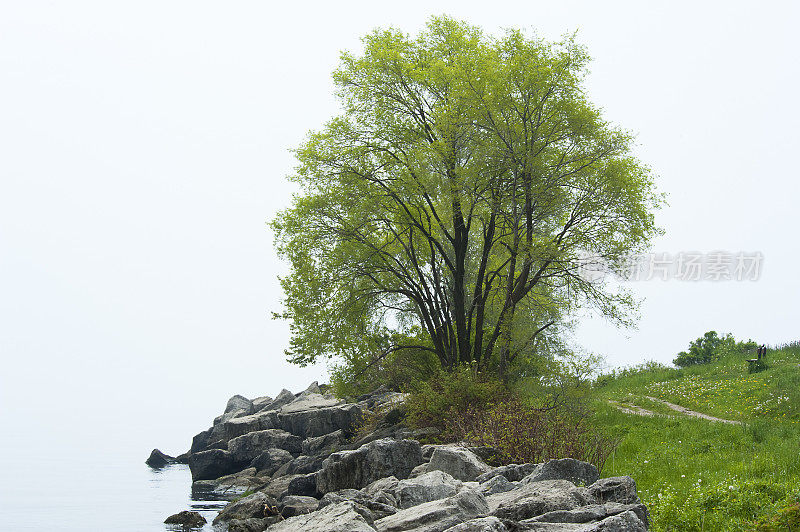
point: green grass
(697, 475)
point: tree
(449, 208)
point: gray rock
(186, 519)
(200, 441)
(252, 524)
(615, 489)
(370, 462)
(480, 524)
(309, 401)
(158, 459)
(592, 513)
(301, 465)
(279, 486)
(271, 460)
(245, 448)
(261, 402)
(379, 507)
(325, 444)
(305, 485)
(284, 398)
(624, 522)
(458, 462)
(537, 498)
(319, 421)
(243, 425)
(436, 516)
(577, 472)
(512, 472)
(340, 517)
(258, 505)
(293, 505)
(208, 465)
(424, 488)
(238, 402)
(498, 484)
(229, 485)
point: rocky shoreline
(299, 462)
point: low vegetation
(697, 475)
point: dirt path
(692, 413)
(631, 409)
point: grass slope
(699, 475)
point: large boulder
(239, 426)
(537, 498)
(258, 505)
(229, 485)
(424, 488)
(261, 402)
(293, 505)
(498, 484)
(324, 445)
(370, 462)
(459, 462)
(186, 519)
(318, 421)
(577, 472)
(345, 516)
(245, 448)
(512, 472)
(238, 402)
(211, 464)
(271, 460)
(591, 513)
(309, 401)
(158, 459)
(284, 398)
(436, 516)
(615, 489)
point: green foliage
(450, 396)
(362, 374)
(711, 347)
(446, 209)
(524, 434)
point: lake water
(88, 491)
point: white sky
(143, 145)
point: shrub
(523, 434)
(451, 395)
(711, 347)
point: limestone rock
(293, 505)
(537, 498)
(370, 462)
(186, 519)
(258, 505)
(577, 472)
(158, 459)
(208, 465)
(615, 489)
(340, 517)
(238, 402)
(460, 463)
(436, 516)
(245, 448)
(271, 460)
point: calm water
(62, 492)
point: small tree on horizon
(449, 208)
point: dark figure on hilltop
(762, 352)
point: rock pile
(307, 471)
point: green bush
(450, 395)
(395, 371)
(711, 347)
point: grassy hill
(696, 474)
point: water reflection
(166, 480)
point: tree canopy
(448, 209)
